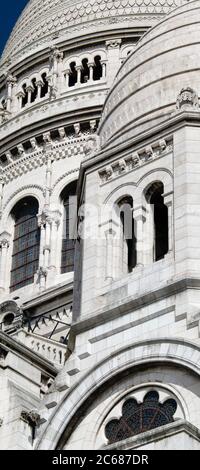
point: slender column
(39, 85)
(78, 69)
(55, 222)
(139, 215)
(90, 66)
(29, 89)
(109, 234)
(103, 63)
(67, 78)
(4, 244)
(20, 95)
(168, 201)
(10, 83)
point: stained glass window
(25, 255)
(67, 258)
(140, 417)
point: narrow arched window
(35, 90)
(160, 220)
(25, 255)
(84, 71)
(97, 69)
(128, 239)
(67, 257)
(45, 87)
(73, 74)
(25, 97)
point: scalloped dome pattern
(43, 20)
(146, 87)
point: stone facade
(132, 336)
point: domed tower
(55, 74)
(56, 70)
(132, 379)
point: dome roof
(145, 91)
(44, 20)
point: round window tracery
(140, 417)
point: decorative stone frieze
(135, 160)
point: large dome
(43, 21)
(145, 91)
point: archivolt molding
(154, 351)
(31, 189)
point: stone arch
(174, 351)
(34, 190)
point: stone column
(78, 69)
(90, 66)
(103, 63)
(113, 58)
(10, 82)
(39, 85)
(20, 95)
(4, 244)
(109, 234)
(54, 219)
(139, 215)
(30, 90)
(54, 64)
(67, 74)
(168, 201)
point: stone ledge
(156, 434)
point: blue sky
(9, 12)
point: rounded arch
(159, 174)
(61, 183)
(172, 351)
(35, 191)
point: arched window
(25, 255)
(45, 87)
(84, 71)
(73, 74)
(140, 417)
(97, 69)
(34, 92)
(154, 197)
(67, 258)
(25, 97)
(128, 239)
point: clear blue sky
(9, 12)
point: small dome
(145, 91)
(42, 21)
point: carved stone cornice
(135, 160)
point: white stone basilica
(100, 99)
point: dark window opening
(25, 255)
(34, 92)
(25, 97)
(73, 74)
(128, 224)
(160, 212)
(140, 417)
(97, 69)
(67, 256)
(84, 71)
(45, 87)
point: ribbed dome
(43, 20)
(146, 87)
